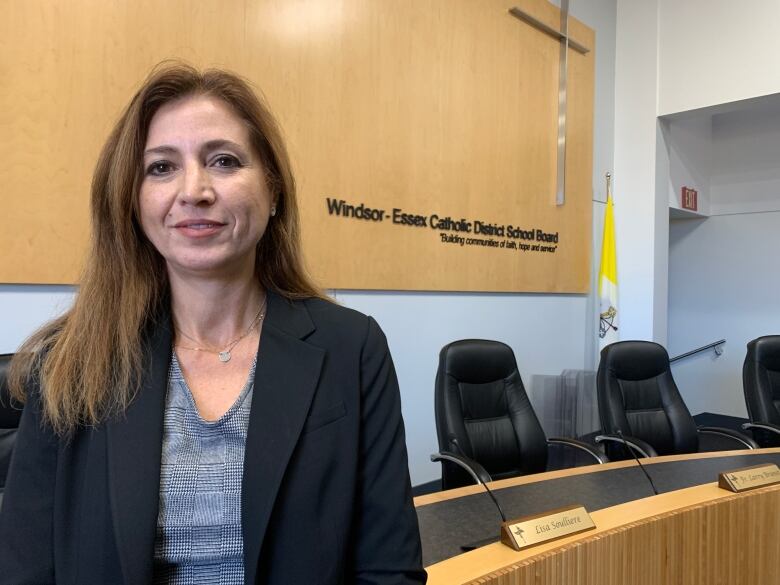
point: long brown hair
(88, 361)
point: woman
(202, 414)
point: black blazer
(326, 495)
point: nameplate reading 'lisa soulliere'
(749, 478)
(530, 530)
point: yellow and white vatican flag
(608, 307)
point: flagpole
(608, 309)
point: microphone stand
(463, 465)
(619, 433)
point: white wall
(671, 57)
(716, 51)
(549, 333)
(746, 157)
(660, 240)
(717, 69)
(723, 283)
(722, 270)
(640, 207)
(689, 145)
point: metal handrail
(716, 345)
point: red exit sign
(690, 199)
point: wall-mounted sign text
(458, 231)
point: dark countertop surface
(446, 525)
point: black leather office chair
(487, 428)
(640, 403)
(9, 422)
(761, 383)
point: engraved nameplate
(748, 478)
(530, 530)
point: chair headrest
(635, 360)
(765, 350)
(478, 361)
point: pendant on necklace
(224, 356)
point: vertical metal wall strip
(560, 195)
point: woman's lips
(198, 228)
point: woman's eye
(226, 161)
(159, 168)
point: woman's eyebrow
(222, 143)
(165, 149)
(210, 145)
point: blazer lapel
(286, 376)
(134, 457)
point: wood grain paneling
(696, 536)
(442, 106)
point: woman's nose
(196, 185)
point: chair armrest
(744, 440)
(592, 450)
(474, 469)
(639, 447)
(762, 426)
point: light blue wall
(549, 333)
(24, 308)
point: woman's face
(204, 202)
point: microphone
(619, 433)
(477, 479)
(454, 441)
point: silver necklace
(224, 354)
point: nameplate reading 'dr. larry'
(749, 478)
(530, 530)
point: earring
(273, 210)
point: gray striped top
(198, 539)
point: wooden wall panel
(443, 106)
